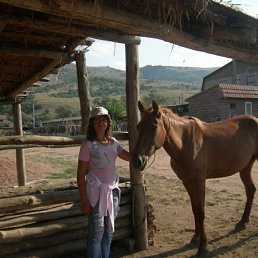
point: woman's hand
(125, 155)
(85, 207)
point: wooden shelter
(37, 37)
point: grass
(69, 172)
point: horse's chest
(179, 168)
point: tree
(63, 111)
(116, 111)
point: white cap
(98, 111)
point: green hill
(193, 75)
(177, 74)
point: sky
(158, 52)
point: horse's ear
(141, 107)
(155, 107)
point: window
(250, 80)
(232, 109)
(232, 105)
(248, 108)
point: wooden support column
(137, 180)
(83, 89)
(20, 160)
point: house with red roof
(227, 92)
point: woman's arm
(81, 172)
(125, 155)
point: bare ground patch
(225, 200)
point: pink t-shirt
(101, 159)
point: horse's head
(151, 135)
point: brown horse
(200, 151)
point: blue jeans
(99, 235)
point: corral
(37, 37)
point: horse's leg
(245, 175)
(196, 191)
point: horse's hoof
(193, 244)
(240, 226)
(203, 252)
(195, 241)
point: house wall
(246, 73)
(222, 75)
(211, 106)
(206, 105)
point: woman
(99, 193)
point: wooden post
(20, 161)
(83, 89)
(137, 180)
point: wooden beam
(36, 84)
(45, 79)
(115, 37)
(32, 37)
(132, 24)
(2, 25)
(48, 141)
(36, 77)
(246, 35)
(21, 51)
(57, 25)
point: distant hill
(106, 81)
(177, 74)
(191, 75)
(166, 84)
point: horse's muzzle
(139, 162)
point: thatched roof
(38, 36)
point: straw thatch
(39, 36)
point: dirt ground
(225, 200)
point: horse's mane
(170, 113)
(176, 117)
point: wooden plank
(68, 247)
(23, 202)
(49, 141)
(51, 214)
(28, 201)
(42, 140)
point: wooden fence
(44, 219)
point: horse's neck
(174, 132)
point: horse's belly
(224, 168)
